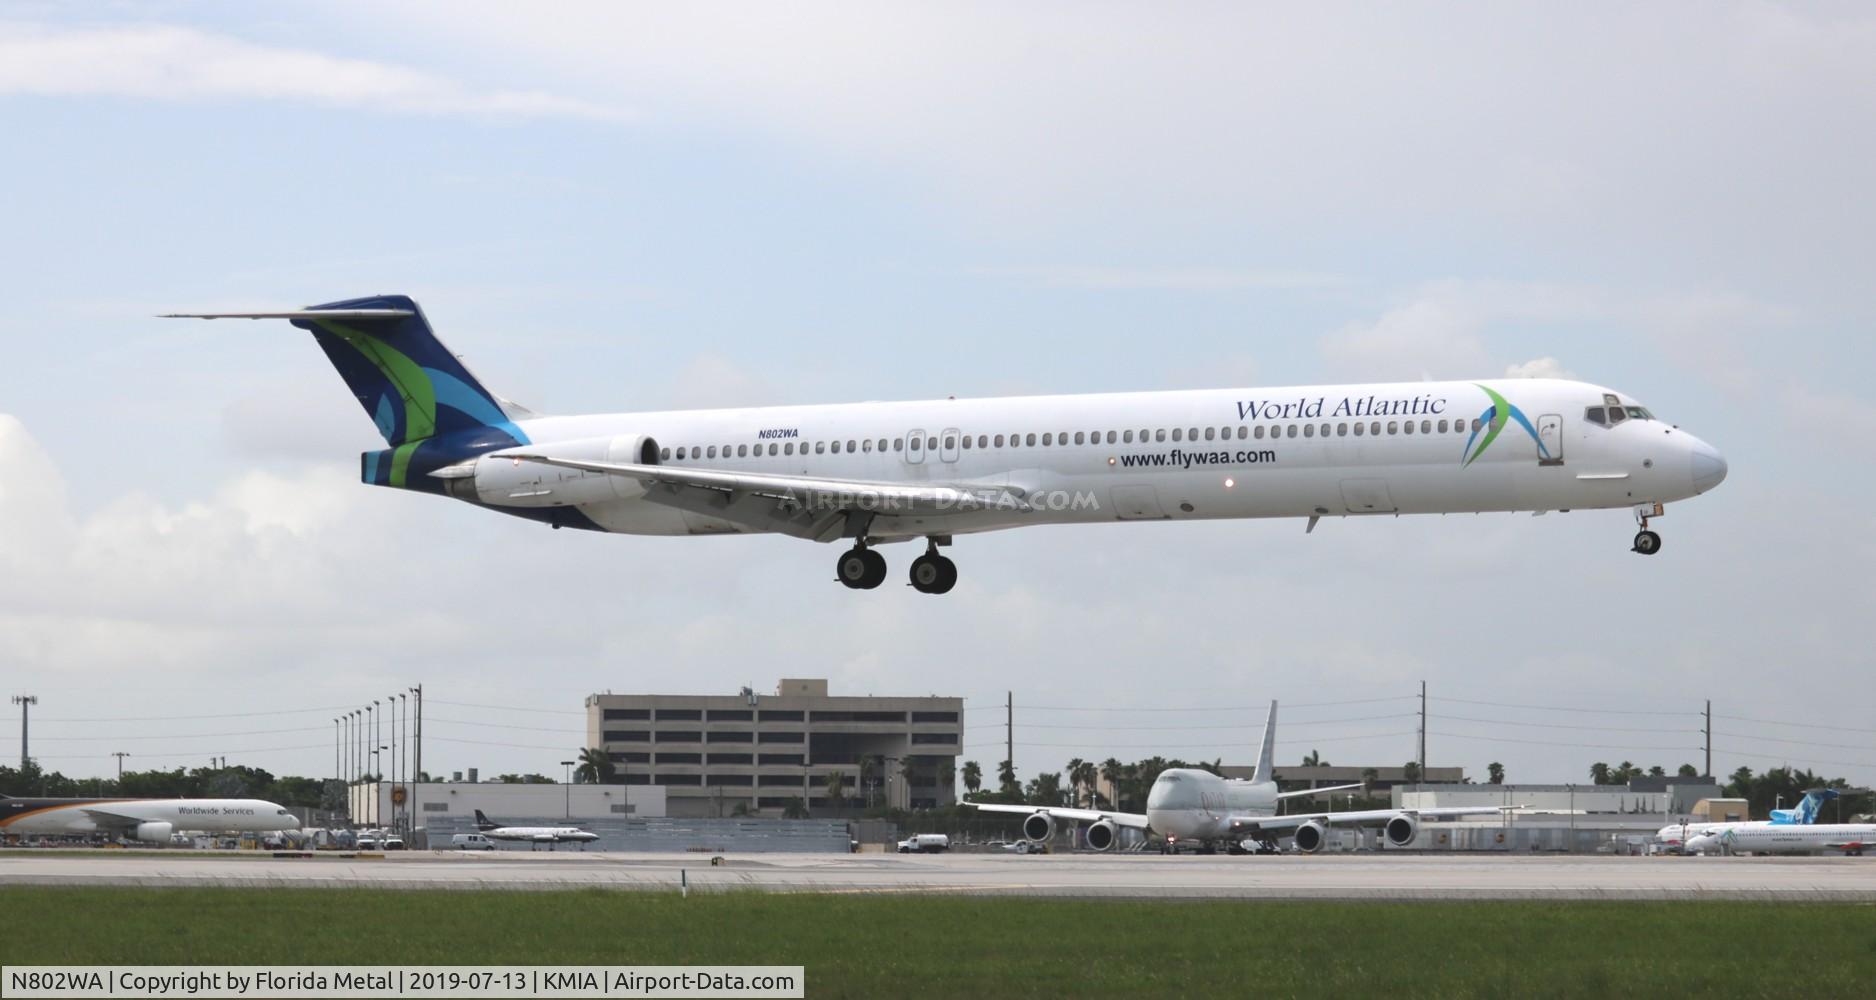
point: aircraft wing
(1136, 821)
(107, 820)
(803, 506)
(1307, 792)
(1361, 817)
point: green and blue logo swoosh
(1492, 421)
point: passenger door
(1550, 435)
(914, 447)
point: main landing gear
(933, 573)
(1647, 542)
(861, 568)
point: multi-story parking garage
(717, 755)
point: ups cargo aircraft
(151, 820)
(1189, 805)
(873, 473)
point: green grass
(935, 945)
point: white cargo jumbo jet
(1190, 805)
(872, 473)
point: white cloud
(170, 63)
(1544, 367)
(1429, 338)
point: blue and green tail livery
(430, 409)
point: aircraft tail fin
(484, 823)
(1266, 766)
(1805, 812)
(410, 385)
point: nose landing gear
(1647, 542)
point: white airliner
(152, 820)
(1681, 834)
(549, 835)
(872, 473)
(1190, 805)
(1850, 838)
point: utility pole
(569, 766)
(338, 769)
(1009, 729)
(25, 702)
(1708, 733)
(120, 755)
(418, 691)
(1423, 732)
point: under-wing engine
(1101, 834)
(1401, 829)
(1038, 827)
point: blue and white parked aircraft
(1681, 835)
(872, 473)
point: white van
(471, 842)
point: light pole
(25, 702)
(377, 817)
(569, 766)
(403, 757)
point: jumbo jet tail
(417, 393)
(1266, 765)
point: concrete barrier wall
(738, 836)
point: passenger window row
(1056, 439)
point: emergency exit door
(1550, 439)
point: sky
(613, 208)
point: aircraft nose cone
(1709, 467)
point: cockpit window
(1616, 415)
(1595, 416)
(1640, 413)
(1172, 777)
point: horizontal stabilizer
(298, 314)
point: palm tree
(1369, 776)
(973, 776)
(1688, 771)
(596, 767)
(1657, 771)
(1074, 778)
(1111, 773)
(795, 809)
(1411, 772)
(1084, 778)
(1314, 759)
(1599, 773)
(948, 778)
(836, 789)
(1006, 778)
(1495, 772)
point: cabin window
(1309, 430)
(1408, 428)
(773, 448)
(1258, 433)
(680, 454)
(1080, 437)
(983, 440)
(1594, 416)
(1325, 430)
(1360, 428)
(997, 441)
(1208, 433)
(1029, 440)
(1048, 439)
(713, 451)
(1442, 427)
(1341, 430)
(1178, 433)
(915, 444)
(1393, 427)
(1375, 428)
(1126, 437)
(1243, 432)
(1111, 436)
(951, 441)
(867, 445)
(665, 454)
(966, 442)
(1476, 425)
(1193, 434)
(1292, 431)
(1094, 437)
(882, 444)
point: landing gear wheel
(860, 569)
(1647, 542)
(933, 574)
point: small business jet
(149, 820)
(1194, 806)
(875, 473)
(549, 835)
(1680, 835)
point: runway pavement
(1359, 876)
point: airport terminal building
(724, 755)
